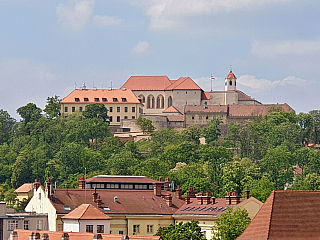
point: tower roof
(231, 75)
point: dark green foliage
(145, 125)
(181, 231)
(96, 110)
(53, 107)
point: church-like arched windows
(170, 101)
(230, 83)
(150, 101)
(143, 99)
(160, 101)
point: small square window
(115, 99)
(118, 118)
(89, 228)
(125, 117)
(110, 119)
(125, 109)
(118, 109)
(65, 109)
(26, 225)
(39, 225)
(104, 99)
(73, 109)
(149, 228)
(86, 99)
(133, 109)
(96, 99)
(77, 99)
(80, 109)
(100, 228)
(136, 228)
(111, 109)
(133, 117)
(121, 232)
(124, 99)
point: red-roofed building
(24, 192)
(286, 215)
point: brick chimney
(99, 202)
(48, 187)
(36, 184)
(31, 235)
(82, 183)
(169, 200)
(206, 199)
(45, 236)
(65, 236)
(187, 200)
(235, 198)
(94, 195)
(213, 200)
(199, 198)
(228, 198)
(157, 189)
(13, 235)
(36, 236)
(179, 192)
(191, 193)
(167, 184)
(247, 193)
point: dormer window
(66, 208)
(106, 209)
(86, 99)
(96, 99)
(104, 99)
(115, 99)
(77, 99)
(124, 99)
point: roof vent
(115, 199)
(123, 89)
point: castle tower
(230, 82)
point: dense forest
(45, 145)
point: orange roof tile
(184, 83)
(175, 118)
(205, 96)
(86, 212)
(286, 215)
(171, 109)
(26, 187)
(147, 83)
(231, 75)
(91, 94)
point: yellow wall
(157, 222)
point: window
(12, 224)
(192, 117)
(125, 109)
(73, 109)
(121, 232)
(39, 225)
(207, 117)
(124, 99)
(200, 117)
(77, 99)
(230, 83)
(143, 99)
(104, 99)
(39, 196)
(26, 225)
(149, 228)
(86, 99)
(66, 109)
(100, 228)
(136, 228)
(110, 118)
(118, 109)
(89, 228)
(133, 109)
(186, 92)
(96, 99)
(80, 109)
(133, 117)
(67, 208)
(125, 117)
(150, 101)
(118, 118)
(170, 101)
(115, 99)
(111, 109)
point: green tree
(230, 224)
(316, 116)
(192, 133)
(181, 231)
(212, 132)
(6, 125)
(96, 110)
(53, 107)
(145, 125)
(261, 189)
(309, 182)
(29, 113)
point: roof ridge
(85, 210)
(270, 219)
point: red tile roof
(25, 188)
(154, 83)
(24, 234)
(86, 212)
(209, 108)
(231, 75)
(244, 97)
(91, 94)
(121, 179)
(286, 215)
(171, 109)
(205, 95)
(236, 110)
(175, 118)
(128, 202)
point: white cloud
(141, 48)
(273, 49)
(106, 21)
(76, 15)
(167, 14)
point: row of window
(126, 109)
(136, 229)
(153, 103)
(13, 224)
(98, 99)
(207, 117)
(100, 228)
(119, 119)
(119, 186)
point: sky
(49, 47)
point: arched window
(153, 102)
(160, 101)
(149, 99)
(235, 83)
(143, 100)
(170, 101)
(230, 83)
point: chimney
(31, 236)
(169, 200)
(228, 198)
(160, 179)
(124, 237)
(48, 188)
(247, 193)
(99, 202)
(167, 184)
(187, 200)
(191, 193)
(82, 183)
(206, 199)
(13, 235)
(45, 236)
(65, 236)
(235, 198)
(179, 192)
(95, 195)
(36, 184)
(213, 200)
(157, 189)
(97, 236)
(36, 236)
(199, 198)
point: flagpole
(211, 81)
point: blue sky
(273, 46)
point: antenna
(75, 85)
(111, 85)
(230, 68)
